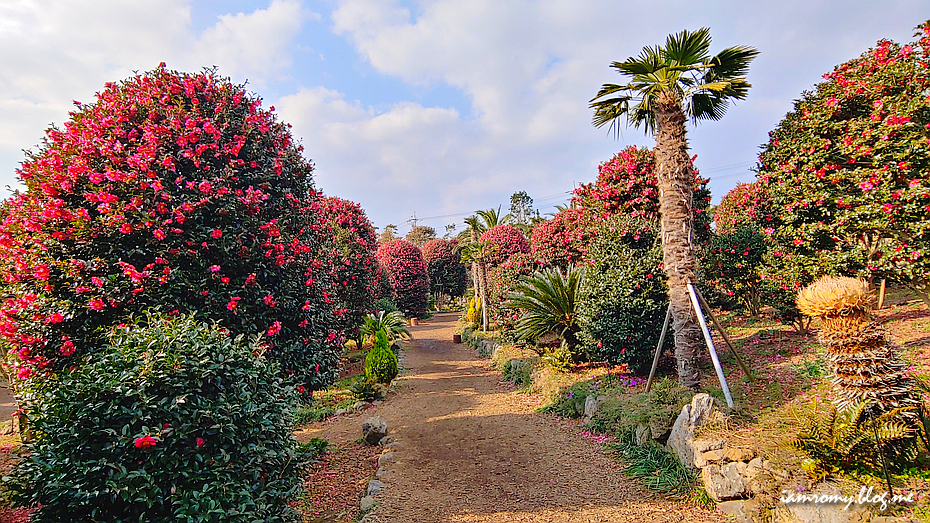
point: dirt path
(472, 450)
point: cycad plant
(667, 86)
(392, 323)
(855, 438)
(548, 301)
(865, 366)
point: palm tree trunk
(483, 289)
(676, 189)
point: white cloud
(57, 51)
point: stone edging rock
(388, 443)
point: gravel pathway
(469, 449)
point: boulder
(724, 482)
(692, 416)
(373, 429)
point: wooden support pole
(655, 359)
(881, 294)
(723, 333)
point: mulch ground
(337, 483)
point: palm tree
(478, 253)
(669, 84)
(392, 323)
(549, 303)
(493, 218)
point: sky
(432, 109)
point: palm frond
(687, 48)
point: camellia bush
(624, 297)
(502, 282)
(172, 191)
(353, 255)
(848, 172)
(447, 274)
(505, 241)
(172, 421)
(407, 274)
(564, 240)
(627, 185)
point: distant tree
(450, 232)
(389, 234)
(420, 234)
(521, 208)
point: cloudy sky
(436, 108)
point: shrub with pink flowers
(502, 281)
(505, 241)
(353, 253)
(564, 240)
(172, 421)
(447, 273)
(627, 185)
(172, 191)
(848, 171)
(406, 269)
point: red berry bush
(172, 191)
(407, 274)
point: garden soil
(471, 449)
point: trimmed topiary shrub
(505, 241)
(407, 274)
(381, 362)
(175, 191)
(447, 273)
(624, 297)
(174, 421)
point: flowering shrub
(407, 274)
(731, 265)
(745, 204)
(174, 421)
(447, 273)
(505, 241)
(353, 253)
(627, 185)
(502, 281)
(624, 298)
(564, 240)
(848, 171)
(176, 191)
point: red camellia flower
(275, 328)
(145, 442)
(96, 304)
(200, 442)
(216, 233)
(233, 303)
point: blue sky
(436, 108)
